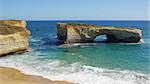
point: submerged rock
(13, 36)
(84, 33)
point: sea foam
(75, 72)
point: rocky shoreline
(14, 35)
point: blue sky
(74, 9)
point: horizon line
(74, 20)
(83, 20)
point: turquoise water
(122, 56)
(113, 60)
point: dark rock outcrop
(13, 36)
(84, 33)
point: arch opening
(100, 38)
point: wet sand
(13, 76)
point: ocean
(95, 63)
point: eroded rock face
(18, 23)
(13, 36)
(84, 33)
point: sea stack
(85, 33)
(13, 36)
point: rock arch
(84, 33)
(100, 38)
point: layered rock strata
(13, 36)
(85, 33)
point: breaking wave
(75, 72)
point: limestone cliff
(77, 33)
(18, 23)
(13, 36)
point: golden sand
(13, 76)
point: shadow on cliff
(94, 36)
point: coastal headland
(85, 33)
(13, 36)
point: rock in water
(84, 33)
(13, 36)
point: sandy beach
(13, 76)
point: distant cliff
(13, 36)
(84, 33)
